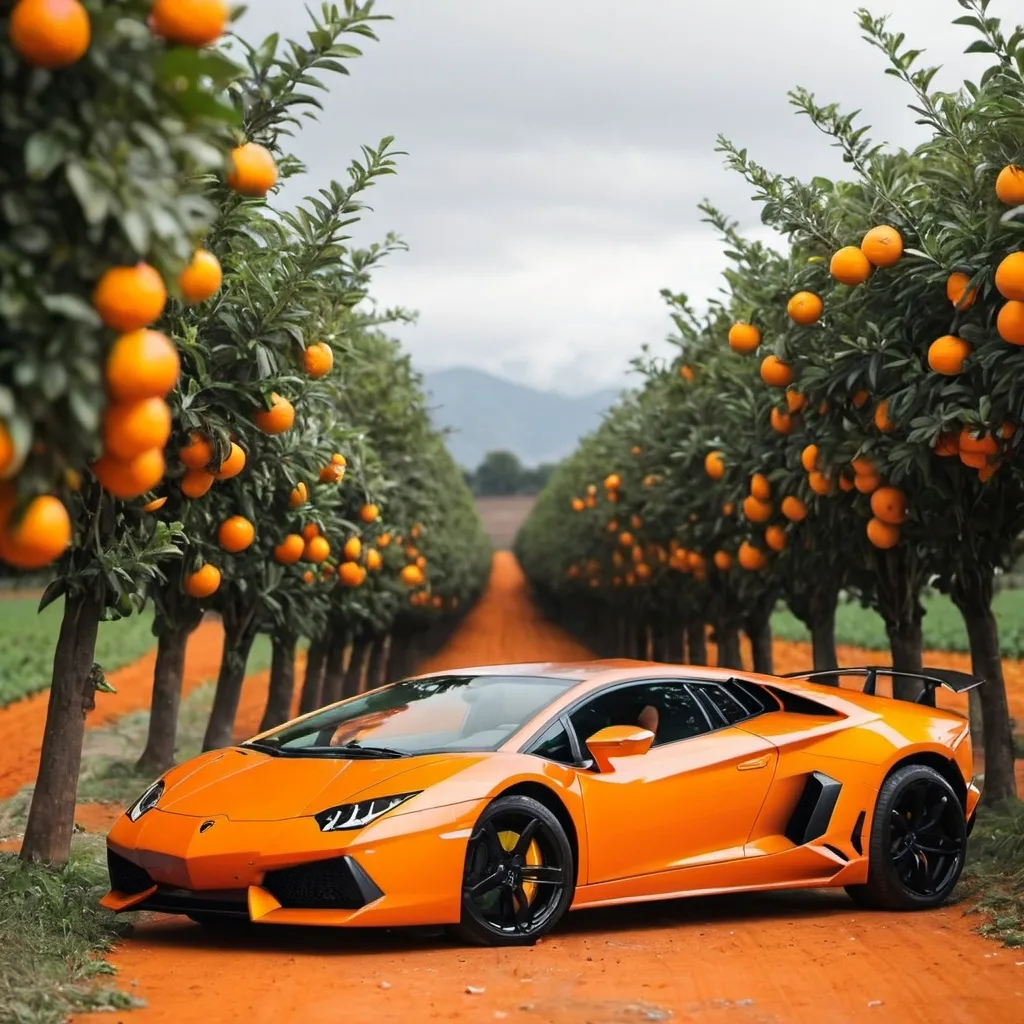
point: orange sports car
(496, 799)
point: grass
(28, 639)
(943, 627)
(994, 875)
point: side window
(725, 703)
(669, 709)
(554, 745)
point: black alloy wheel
(519, 877)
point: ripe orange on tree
(1010, 185)
(353, 549)
(233, 464)
(947, 355)
(723, 561)
(809, 458)
(252, 171)
(957, 293)
(197, 454)
(204, 582)
(947, 445)
(141, 364)
(130, 298)
(805, 308)
(41, 534)
(299, 495)
(757, 511)
(369, 513)
(332, 473)
(881, 417)
(50, 33)
(820, 484)
(130, 428)
(760, 488)
(795, 401)
(578, 504)
(781, 422)
(278, 418)
(883, 246)
(883, 535)
(310, 530)
(793, 509)
(317, 550)
(750, 557)
(236, 534)
(775, 373)
(196, 482)
(155, 505)
(7, 453)
(1010, 322)
(714, 465)
(318, 360)
(130, 478)
(189, 22)
(775, 538)
(744, 338)
(374, 560)
(411, 575)
(889, 504)
(351, 574)
(202, 278)
(1010, 277)
(290, 550)
(850, 266)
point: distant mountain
(487, 414)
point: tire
(511, 897)
(911, 867)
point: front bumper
(403, 870)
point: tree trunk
(674, 643)
(313, 681)
(377, 674)
(972, 594)
(168, 674)
(899, 581)
(696, 644)
(759, 630)
(355, 677)
(338, 657)
(823, 639)
(51, 819)
(814, 604)
(728, 638)
(282, 683)
(239, 634)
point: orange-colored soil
(796, 958)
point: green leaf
(92, 194)
(72, 307)
(44, 152)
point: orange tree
(108, 128)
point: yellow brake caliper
(508, 842)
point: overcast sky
(558, 148)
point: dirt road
(806, 958)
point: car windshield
(439, 714)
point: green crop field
(943, 627)
(27, 642)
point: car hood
(253, 786)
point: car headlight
(350, 816)
(147, 801)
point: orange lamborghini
(496, 799)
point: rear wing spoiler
(958, 682)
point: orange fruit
(782, 422)
(883, 535)
(775, 538)
(253, 171)
(987, 472)
(591, 489)
(374, 560)
(36, 538)
(290, 550)
(369, 513)
(1010, 185)
(635, 451)
(793, 509)
(189, 22)
(860, 399)
(332, 474)
(278, 418)
(695, 560)
(202, 278)
(850, 266)
(384, 540)
(686, 373)
(883, 246)
(636, 522)
(723, 561)
(130, 478)
(805, 308)
(626, 539)
(1010, 277)
(846, 480)
(612, 482)
(889, 504)
(795, 401)
(744, 338)
(947, 445)
(411, 575)
(757, 511)
(867, 483)
(233, 464)
(130, 428)
(351, 575)
(318, 360)
(417, 531)
(299, 495)
(957, 293)
(7, 452)
(578, 504)
(947, 355)
(339, 460)
(130, 298)
(728, 509)
(775, 373)
(204, 582)
(976, 460)
(155, 505)
(196, 482)
(1010, 322)
(863, 466)
(714, 465)
(310, 530)
(50, 33)
(819, 483)
(141, 364)
(751, 558)
(760, 488)
(235, 534)
(308, 576)
(317, 550)
(809, 458)
(881, 417)
(353, 549)
(197, 454)
(1007, 430)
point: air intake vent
(335, 884)
(813, 811)
(126, 876)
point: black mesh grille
(125, 876)
(322, 885)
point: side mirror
(618, 741)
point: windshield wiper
(265, 748)
(352, 750)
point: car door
(691, 799)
